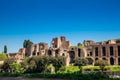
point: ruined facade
(109, 51)
(36, 49)
(58, 47)
(91, 50)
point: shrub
(3, 56)
(101, 63)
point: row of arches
(56, 53)
(112, 60)
(103, 49)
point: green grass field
(92, 68)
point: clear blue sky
(41, 20)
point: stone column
(116, 54)
(93, 51)
(76, 52)
(53, 53)
(108, 54)
(99, 52)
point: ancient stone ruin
(109, 51)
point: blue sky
(41, 20)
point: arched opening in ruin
(96, 59)
(34, 53)
(63, 54)
(90, 53)
(49, 52)
(104, 58)
(103, 51)
(118, 50)
(96, 51)
(79, 52)
(26, 54)
(56, 52)
(55, 45)
(111, 51)
(118, 61)
(112, 61)
(38, 53)
(72, 48)
(72, 56)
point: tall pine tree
(5, 49)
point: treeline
(37, 64)
(27, 43)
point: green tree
(80, 62)
(5, 49)
(101, 63)
(29, 65)
(3, 57)
(6, 64)
(16, 67)
(27, 43)
(36, 64)
(58, 62)
(90, 60)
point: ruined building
(91, 50)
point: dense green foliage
(16, 67)
(101, 63)
(72, 72)
(27, 43)
(58, 62)
(3, 57)
(6, 65)
(80, 62)
(90, 60)
(40, 63)
(69, 76)
(40, 66)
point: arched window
(104, 58)
(49, 52)
(79, 52)
(34, 53)
(96, 59)
(111, 51)
(118, 61)
(112, 61)
(38, 53)
(90, 53)
(103, 51)
(118, 50)
(63, 54)
(72, 56)
(96, 51)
